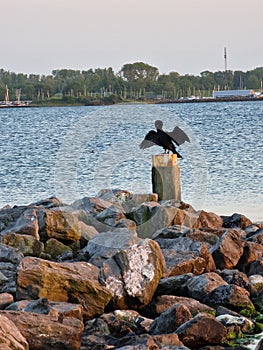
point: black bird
(165, 139)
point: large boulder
(10, 336)
(107, 244)
(170, 320)
(236, 220)
(111, 216)
(228, 250)
(152, 216)
(232, 297)
(44, 332)
(27, 224)
(163, 303)
(133, 274)
(26, 244)
(252, 252)
(202, 330)
(174, 285)
(66, 282)
(9, 259)
(47, 307)
(200, 287)
(54, 248)
(209, 220)
(5, 300)
(256, 267)
(61, 226)
(9, 216)
(236, 277)
(91, 205)
(184, 255)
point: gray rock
(91, 205)
(9, 259)
(10, 254)
(236, 324)
(8, 216)
(236, 277)
(170, 320)
(233, 297)
(111, 216)
(200, 287)
(151, 217)
(174, 285)
(174, 231)
(26, 224)
(236, 220)
(256, 267)
(58, 310)
(106, 244)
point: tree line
(135, 81)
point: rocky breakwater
(124, 271)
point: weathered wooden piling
(166, 176)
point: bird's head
(159, 124)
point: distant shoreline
(161, 101)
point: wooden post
(166, 176)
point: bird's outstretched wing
(178, 136)
(149, 140)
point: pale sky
(184, 36)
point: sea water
(73, 152)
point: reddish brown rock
(165, 302)
(228, 250)
(202, 330)
(184, 255)
(252, 252)
(209, 220)
(62, 226)
(5, 300)
(188, 218)
(67, 282)
(10, 336)
(210, 238)
(168, 341)
(44, 332)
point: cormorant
(165, 139)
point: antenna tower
(225, 58)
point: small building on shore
(233, 93)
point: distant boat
(18, 103)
